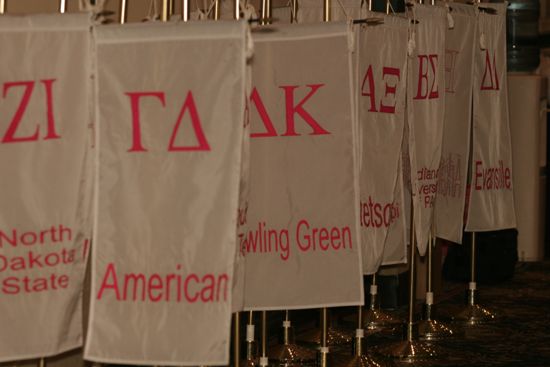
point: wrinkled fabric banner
(169, 167)
(426, 112)
(491, 205)
(382, 84)
(395, 247)
(301, 237)
(45, 202)
(311, 11)
(453, 169)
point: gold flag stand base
(292, 355)
(364, 361)
(362, 357)
(433, 330)
(288, 353)
(378, 319)
(336, 337)
(409, 350)
(474, 314)
(375, 319)
(430, 329)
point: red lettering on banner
(264, 239)
(492, 178)
(26, 284)
(54, 234)
(171, 287)
(390, 89)
(450, 69)
(377, 215)
(135, 97)
(188, 105)
(28, 88)
(52, 134)
(260, 107)
(490, 75)
(311, 238)
(427, 73)
(292, 109)
(371, 92)
(427, 185)
(450, 183)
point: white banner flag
(382, 83)
(171, 111)
(397, 238)
(491, 205)
(45, 201)
(301, 232)
(459, 65)
(426, 112)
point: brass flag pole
(123, 11)
(430, 328)
(410, 349)
(62, 6)
(165, 11)
(185, 10)
(288, 352)
(375, 318)
(237, 339)
(250, 360)
(3, 6)
(264, 362)
(473, 313)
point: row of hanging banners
(219, 170)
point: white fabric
(301, 238)
(397, 238)
(45, 201)
(169, 166)
(491, 205)
(453, 170)
(382, 86)
(426, 111)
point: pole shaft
(359, 346)
(3, 6)
(473, 259)
(62, 6)
(237, 340)
(216, 9)
(324, 326)
(388, 6)
(237, 10)
(164, 11)
(327, 16)
(412, 275)
(123, 11)
(431, 243)
(264, 333)
(266, 11)
(185, 10)
(171, 7)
